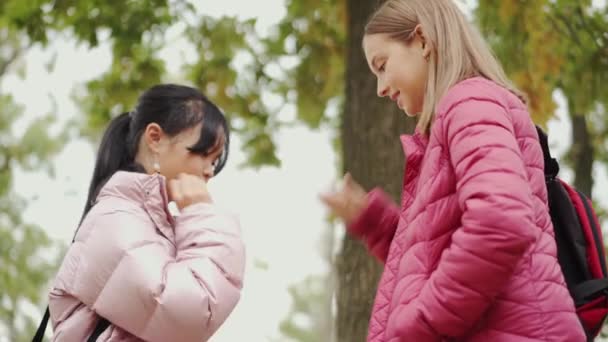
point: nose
(208, 171)
(382, 89)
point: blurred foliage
(299, 65)
(24, 248)
(557, 45)
(311, 317)
(308, 320)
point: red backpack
(580, 246)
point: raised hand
(347, 202)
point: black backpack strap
(101, 326)
(551, 164)
(588, 289)
(42, 327)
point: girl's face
(174, 157)
(401, 69)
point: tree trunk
(326, 319)
(372, 153)
(581, 154)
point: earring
(156, 165)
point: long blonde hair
(458, 51)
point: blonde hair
(458, 51)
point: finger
(347, 182)
(174, 190)
(196, 185)
(190, 180)
(182, 176)
(186, 188)
(171, 186)
(185, 184)
(324, 197)
(348, 179)
(195, 189)
(331, 200)
(352, 184)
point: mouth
(395, 96)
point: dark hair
(174, 108)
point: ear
(424, 45)
(153, 137)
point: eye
(381, 68)
(197, 152)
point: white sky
(281, 217)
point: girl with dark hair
(134, 271)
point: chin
(410, 114)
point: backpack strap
(100, 327)
(42, 327)
(594, 247)
(588, 289)
(596, 231)
(551, 164)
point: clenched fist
(187, 189)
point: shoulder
(476, 90)
(478, 100)
(115, 219)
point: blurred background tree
(549, 46)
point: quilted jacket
(153, 276)
(470, 254)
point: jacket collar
(149, 191)
(414, 147)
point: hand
(187, 189)
(347, 203)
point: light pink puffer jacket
(155, 278)
(471, 255)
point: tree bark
(372, 153)
(581, 154)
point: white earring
(156, 165)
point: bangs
(214, 136)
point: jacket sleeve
(165, 294)
(497, 225)
(377, 223)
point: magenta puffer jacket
(153, 276)
(470, 255)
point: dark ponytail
(174, 108)
(115, 153)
